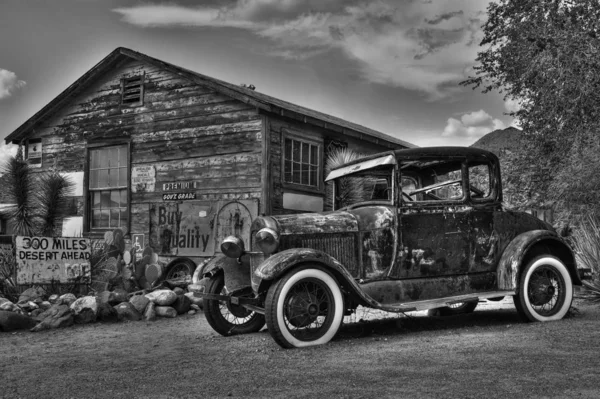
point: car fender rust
(514, 253)
(278, 264)
(214, 265)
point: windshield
(366, 186)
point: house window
(302, 163)
(132, 91)
(108, 187)
(33, 152)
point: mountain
(500, 140)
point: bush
(8, 269)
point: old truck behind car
(411, 230)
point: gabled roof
(256, 99)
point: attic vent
(132, 90)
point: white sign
(45, 260)
(143, 178)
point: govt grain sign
(44, 260)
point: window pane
(287, 171)
(313, 176)
(123, 156)
(94, 160)
(114, 218)
(124, 217)
(105, 199)
(93, 179)
(304, 174)
(102, 178)
(104, 215)
(96, 199)
(102, 158)
(123, 196)
(296, 151)
(122, 177)
(288, 149)
(113, 157)
(305, 153)
(96, 219)
(296, 174)
(115, 199)
(314, 155)
(113, 177)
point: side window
(302, 163)
(479, 182)
(108, 187)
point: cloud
(511, 105)
(416, 45)
(472, 125)
(6, 151)
(9, 83)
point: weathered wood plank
(238, 193)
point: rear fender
(280, 263)
(522, 247)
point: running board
(442, 302)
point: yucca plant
(19, 192)
(349, 190)
(52, 202)
(586, 243)
(39, 211)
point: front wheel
(545, 290)
(226, 318)
(304, 308)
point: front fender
(516, 251)
(278, 264)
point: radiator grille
(342, 248)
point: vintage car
(410, 230)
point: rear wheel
(304, 308)
(545, 290)
(226, 318)
(180, 269)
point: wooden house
(179, 160)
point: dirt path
(487, 354)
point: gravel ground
(487, 354)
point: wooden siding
(185, 131)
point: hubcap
(546, 290)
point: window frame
(88, 215)
(124, 85)
(313, 141)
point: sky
(390, 65)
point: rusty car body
(410, 230)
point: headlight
(267, 240)
(233, 247)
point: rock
(150, 312)
(182, 304)
(107, 313)
(85, 316)
(36, 313)
(139, 302)
(192, 311)
(127, 311)
(3, 301)
(53, 298)
(83, 303)
(179, 290)
(59, 315)
(67, 299)
(10, 307)
(194, 299)
(103, 296)
(162, 297)
(194, 307)
(45, 305)
(165, 311)
(30, 294)
(32, 306)
(119, 295)
(182, 282)
(11, 321)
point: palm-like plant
(19, 192)
(36, 212)
(586, 243)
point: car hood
(309, 223)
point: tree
(546, 55)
